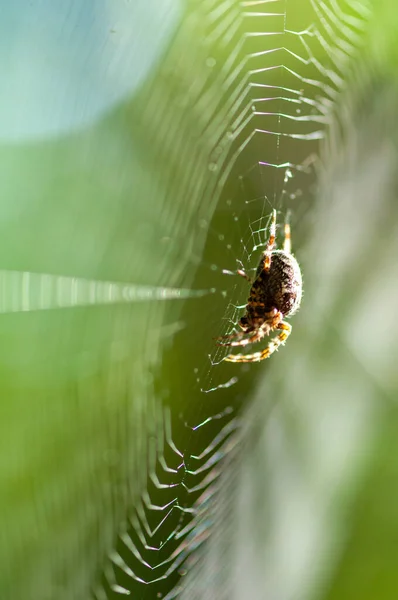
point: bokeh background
(143, 146)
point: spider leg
(273, 345)
(252, 334)
(270, 243)
(243, 274)
(246, 329)
(223, 339)
(256, 337)
(242, 271)
(287, 244)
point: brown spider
(275, 293)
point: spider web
(149, 451)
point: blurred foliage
(161, 185)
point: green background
(143, 166)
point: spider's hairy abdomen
(274, 294)
(280, 287)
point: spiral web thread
(154, 545)
(280, 86)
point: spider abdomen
(280, 287)
(274, 294)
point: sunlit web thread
(144, 537)
(25, 291)
(222, 161)
(188, 583)
(335, 32)
(248, 113)
(323, 106)
(301, 107)
(201, 527)
(231, 108)
(212, 115)
(233, 67)
(202, 96)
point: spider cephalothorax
(275, 293)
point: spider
(275, 293)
